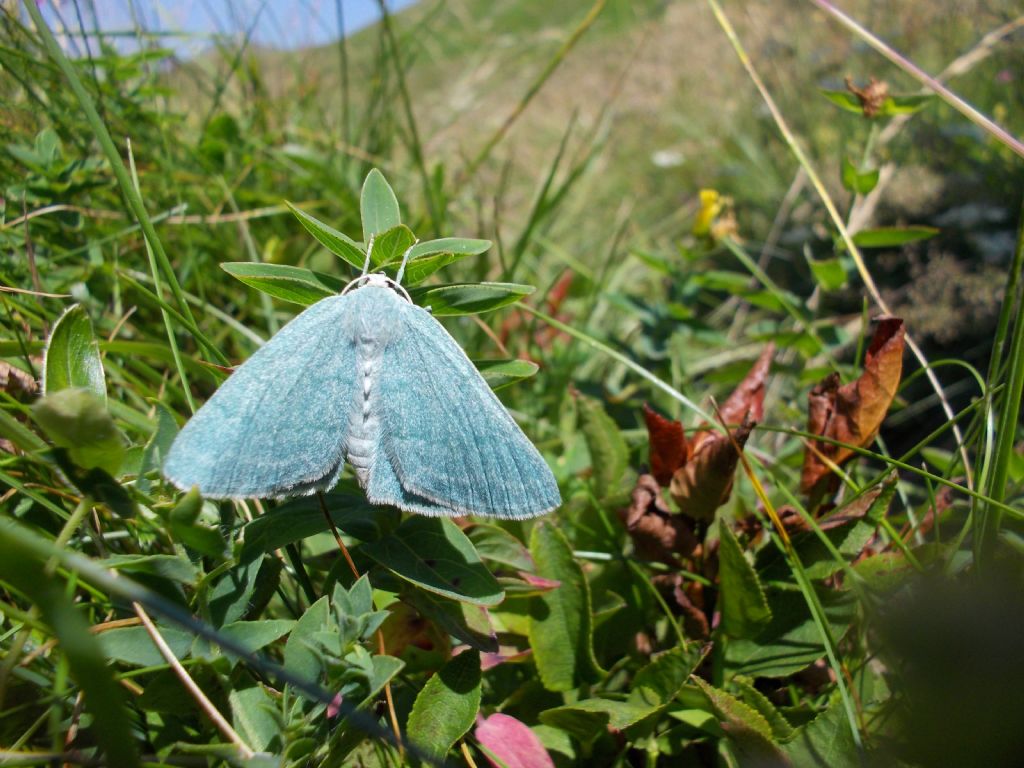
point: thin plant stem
(190, 685)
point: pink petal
(512, 742)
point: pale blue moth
(368, 377)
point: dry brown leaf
(668, 449)
(657, 534)
(871, 97)
(748, 397)
(705, 482)
(16, 383)
(852, 413)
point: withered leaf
(668, 450)
(852, 413)
(705, 482)
(748, 398)
(657, 534)
(17, 383)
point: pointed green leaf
(891, 237)
(418, 271)
(254, 715)
(339, 244)
(133, 645)
(390, 246)
(844, 100)
(433, 553)
(780, 728)
(468, 298)
(73, 356)
(744, 608)
(295, 284)
(608, 451)
(501, 373)
(746, 727)
(447, 706)
(78, 420)
(905, 105)
(829, 274)
(460, 246)
(156, 449)
(253, 635)
(300, 655)
(561, 623)
(378, 205)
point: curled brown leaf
(668, 448)
(853, 413)
(657, 534)
(705, 482)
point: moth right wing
(278, 425)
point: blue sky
(277, 23)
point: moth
(369, 378)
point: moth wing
(278, 425)
(452, 445)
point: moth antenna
(405, 260)
(369, 250)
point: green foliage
(619, 630)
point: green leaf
(428, 257)
(156, 449)
(302, 517)
(230, 597)
(844, 100)
(780, 728)
(73, 356)
(747, 728)
(468, 298)
(460, 246)
(589, 718)
(172, 567)
(295, 284)
(471, 624)
(561, 623)
(433, 553)
(501, 373)
(390, 246)
(133, 645)
(447, 706)
(253, 635)
(905, 105)
(103, 697)
(659, 682)
(890, 237)
(339, 244)
(78, 420)
(254, 715)
(792, 640)
(499, 546)
(378, 205)
(857, 181)
(301, 657)
(744, 608)
(608, 451)
(829, 274)
(826, 740)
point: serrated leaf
(780, 728)
(73, 356)
(295, 284)
(336, 242)
(468, 298)
(892, 237)
(745, 726)
(561, 623)
(78, 421)
(447, 706)
(826, 740)
(608, 451)
(433, 553)
(378, 205)
(744, 608)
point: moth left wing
(278, 425)
(447, 439)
